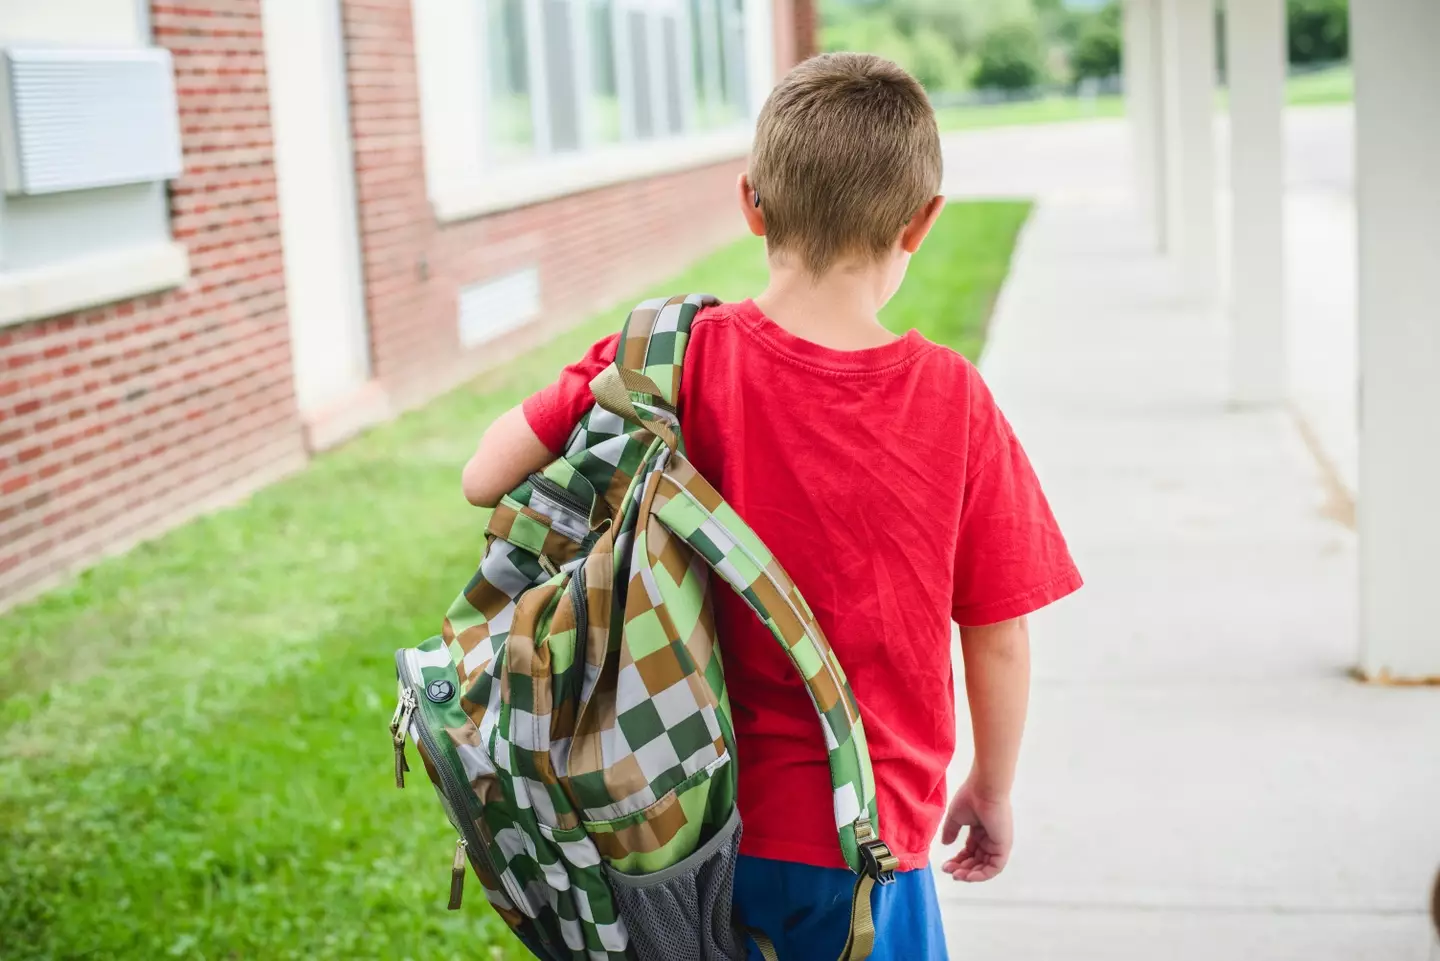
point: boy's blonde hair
(846, 153)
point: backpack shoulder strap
(641, 387)
(653, 341)
(693, 510)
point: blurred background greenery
(1010, 48)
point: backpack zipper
(457, 875)
(399, 725)
(579, 603)
(452, 793)
(562, 494)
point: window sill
(521, 186)
(41, 292)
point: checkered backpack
(573, 715)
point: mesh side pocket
(685, 912)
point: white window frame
(465, 182)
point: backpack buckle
(879, 862)
(876, 858)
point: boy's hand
(992, 832)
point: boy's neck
(839, 310)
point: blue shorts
(805, 910)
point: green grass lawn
(193, 754)
(1024, 112)
(1335, 85)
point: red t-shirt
(891, 488)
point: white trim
(536, 75)
(584, 76)
(315, 182)
(453, 80)
(712, 49)
(90, 281)
(624, 76)
(572, 173)
(659, 81)
(689, 105)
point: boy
(880, 472)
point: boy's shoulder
(744, 320)
(724, 313)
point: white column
(1144, 105)
(1255, 60)
(1188, 52)
(1397, 134)
(759, 52)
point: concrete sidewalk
(1092, 159)
(1201, 780)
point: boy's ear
(750, 206)
(919, 226)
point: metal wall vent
(76, 119)
(491, 308)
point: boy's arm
(997, 683)
(526, 438)
(1010, 561)
(509, 452)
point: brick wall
(590, 248)
(807, 29)
(796, 33)
(119, 421)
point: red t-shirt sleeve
(554, 411)
(1010, 557)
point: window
(703, 63)
(642, 87)
(604, 87)
(718, 57)
(528, 99)
(732, 30)
(565, 76)
(560, 75)
(511, 128)
(670, 53)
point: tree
(1010, 56)
(871, 32)
(944, 17)
(1098, 45)
(908, 40)
(1319, 30)
(934, 61)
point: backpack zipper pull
(401, 765)
(399, 727)
(457, 875)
